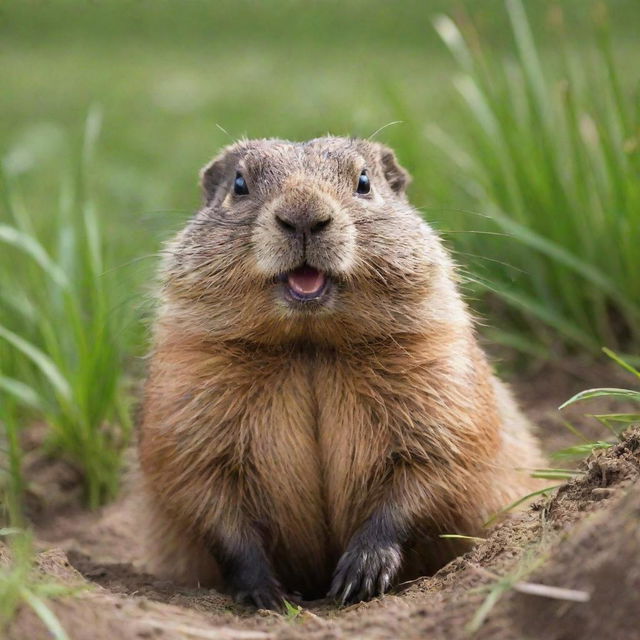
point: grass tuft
(20, 585)
(614, 422)
(63, 331)
(519, 501)
(554, 162)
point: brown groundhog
(318, 409)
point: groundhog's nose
(303, 224)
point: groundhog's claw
(267, 597)
(384, 582)
(364, 572)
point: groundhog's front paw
(263, 596)
(365, 571)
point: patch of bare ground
(586, 537)
(100, 551)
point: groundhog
(318, 411)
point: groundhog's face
(311, 240)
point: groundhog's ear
(397, 177)
(213, 176)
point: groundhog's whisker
(477, 256)
(133, 261)
(476, 231)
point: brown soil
(586, 537)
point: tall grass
(63, 329)
(554, 162)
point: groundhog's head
(312, 241)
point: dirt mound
(587, 538)
(600, 557)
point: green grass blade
(45, 614)
(450, 34)
(553, 475)
(623, 363)
(580, 450)
(626, 418)
(518, 502)
(517, 341)
(41, 360)
(487, 605)
(25, 394)
(625, 394)
(539, 310)
(29, 245)
(528, 53)
(561, 255)
(459, 536)
(576, 432)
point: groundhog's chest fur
(317, 402)
(306, 440)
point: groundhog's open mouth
(306, 283)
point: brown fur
(288, 427)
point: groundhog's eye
(240, 185)
(364, 184)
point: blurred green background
(168, 74)
(518, 120)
